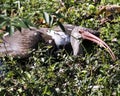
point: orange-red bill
(91, 37)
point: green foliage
(94, 74)
(11, 23)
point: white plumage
(60, 38)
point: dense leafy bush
(94, 74)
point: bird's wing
(19, 43)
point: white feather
(60, 38)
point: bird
(21, 43)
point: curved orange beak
(91, 37)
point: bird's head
(91, 37)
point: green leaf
(3, 24)
(47, 17)
(51, 20)
(19, 23)
(4, 18)
(27, 22)
(46, 90)
(28, 75)
(12, 30)
(61, 26)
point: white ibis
(20, 43)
